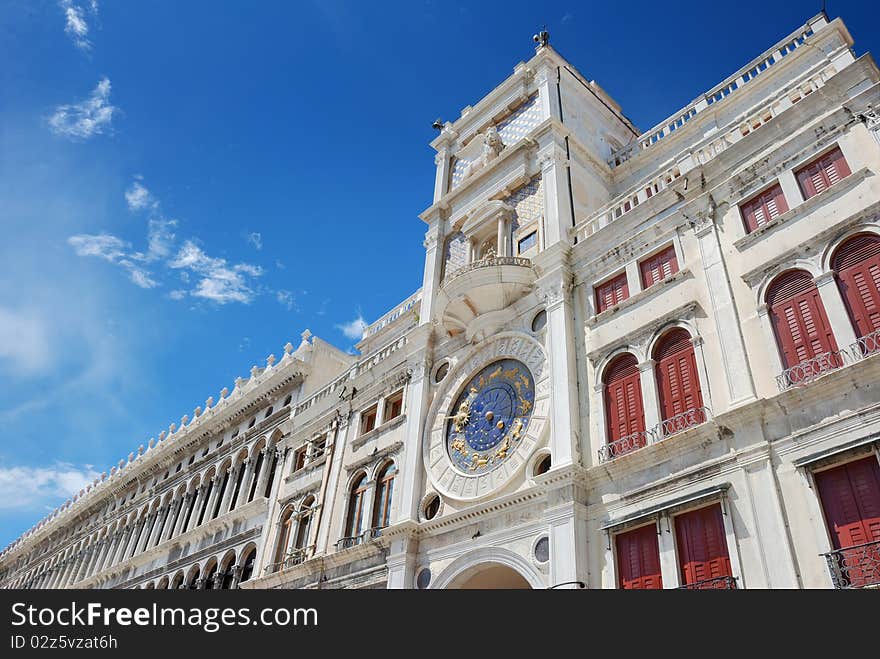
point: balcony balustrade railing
(855, 567)
(294, 557)
(666, 428)
(490, 262)
(354, 540)
(812, 369)
(715, 583)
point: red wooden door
(798, 317)
(638, 559)
(850, 496)
(624, 411)
(702, 545)
(857, 266)
(677, 381)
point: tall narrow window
(702, 549)
(856, 265)
(624, 412)
(678, 384)
(305, 523)
(799, 321)
(354, 524)
(271, 479)
(638, 559)
(761, 209)
(384, 492)
(822, 173)
(208, 490)
(247, 568)
(242, 467)
(614, 291)
(283, 536)
(221, 492)
(658, 267)
(850, 496)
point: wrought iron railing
(715, 583)
(666, 428)
(349, 541)
(812, 369)
(855, 567)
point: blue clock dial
(490, 416)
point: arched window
(305, 523)
(210, 576)
(799, 321)
(221, 492)
(191, 508)
(283, 536)
(678, 384)
(228, 574)
(384, 492)
(193, 583)
(624, 411)
(247, 568)
(177, 581)
(209, 488)
(272, 466)
(163, 584)
(354, 524)
(856, 265)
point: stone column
(569, 541)
(158, 525)
(835, 309)
(227, 491)
(236, 576)
(217, 480)
(650, 399)
(248, 466)
(728, 327)
(601, 425)
(776, 363)
(197, 506)
(264, 472)
(188, 501)
(433, 245)
(124, 539)
(442, 177)
(369, 498)
(669, 570)
(170, 521)
(702, 372)
(412, 469)
(564, 420)
(402, 563)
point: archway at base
(491, 576)
(489, 567)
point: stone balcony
(478, 296)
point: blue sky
(185, 187)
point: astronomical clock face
(491, 416)
(488, 418)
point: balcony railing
(294, 557)
(353, 540)
(855, 567)
(716, 583)
(490, 262)
(666, 428)
(812, 369)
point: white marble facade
(327, 470)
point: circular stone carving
(424, 579)
(488, 418)
(542, 550)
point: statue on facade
(492, 147)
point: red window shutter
(857, 266)
(614, 291)
(798, 317)
(850, 496)
(658, 267)
(676, 369)
(702, 545)
(822, 173)
(638, 559)
(623, 399)
(763, 208)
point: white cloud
(255, 239)
(354, 329)
(103, 245)
(138, 197)
(160, 238)
(218, 281)
(76, 26)
(24, 488)
(286, 299)
(87, 118)
(24, 342)
(177, 294)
